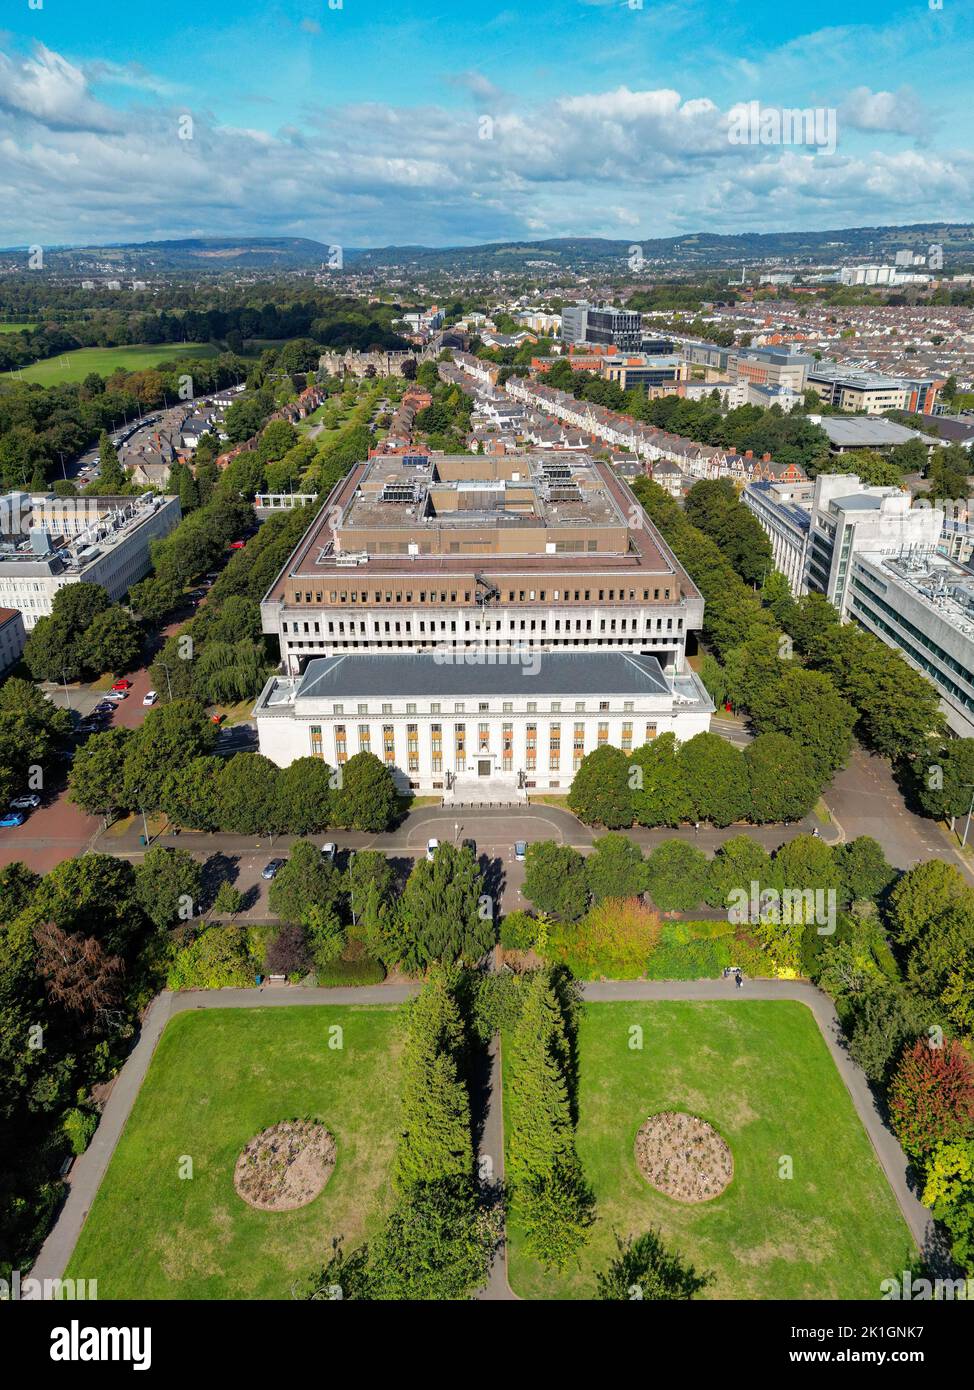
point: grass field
(219, 1077)
(761, 1074)
(15, 327)
(75, 366)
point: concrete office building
(51, 541)
(526, 593)
(600, 323)
(923, 605)
(12, 638)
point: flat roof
(528, 672)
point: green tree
(112, 642)
(781, 779)
(112, 477)
(443, 910)
(658, 787)
(435, 1129)
(645, 1270)
(170, 736)
(739, 862)
(304, 796)
(923, 896)
(190, 794)
(228, 900)
(97, 773)
(599, 792)
(806, 706)
(366, 798)
(554, 879)
(615, 868)
(864, 869)
(716, 778)
(677, 876)
(304, 882)
(168, 884)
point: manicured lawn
(219, 1077)
(75, 366)
(761, 1074)
(15, 327)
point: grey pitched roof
(467, 673)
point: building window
(387, 709)
(363, 709)
(388, 743)
(507, 747)
(317, 751)
(578, 746)
(412, 747)
(603, 735)
(410, 709)
(627, 738)
(554, 748)
(341, 750)
(531, 759)
(483, 738)
(436, 746)
(364, 739)
(460, 747)
(650, 732)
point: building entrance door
(483, 767)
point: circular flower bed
(285, 1166)
(683, 1157)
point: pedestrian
(815, 833)
(740, 980)
(696, 827)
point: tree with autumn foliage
(78, 973)
(931, 1097)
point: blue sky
(384, 122)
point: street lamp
(165, 667)
(351, 885)
(970, 809)
(145, 824)
(64, 682)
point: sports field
(75, 366)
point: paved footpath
(90, 1168)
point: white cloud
(73, 168)
(899, 113)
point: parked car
(122, 684)
(103, 707)
(520, 850)
(150, 697)
(117, 696)
(10, 819)
(328, 851)
(431, 847)
(270, 870)
(237, 545)
(30, 802)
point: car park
(431, 847)
(29, 802)
(150, 697)
(270, 870)
(12, 818)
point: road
(89, 1170)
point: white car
(117, 695)
(431, 847)
(328, 852)
(29, 802)
(150, 697)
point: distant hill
(698, 250)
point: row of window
(379, 596)
(483, 707)
(526, 625)
(483, 747)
